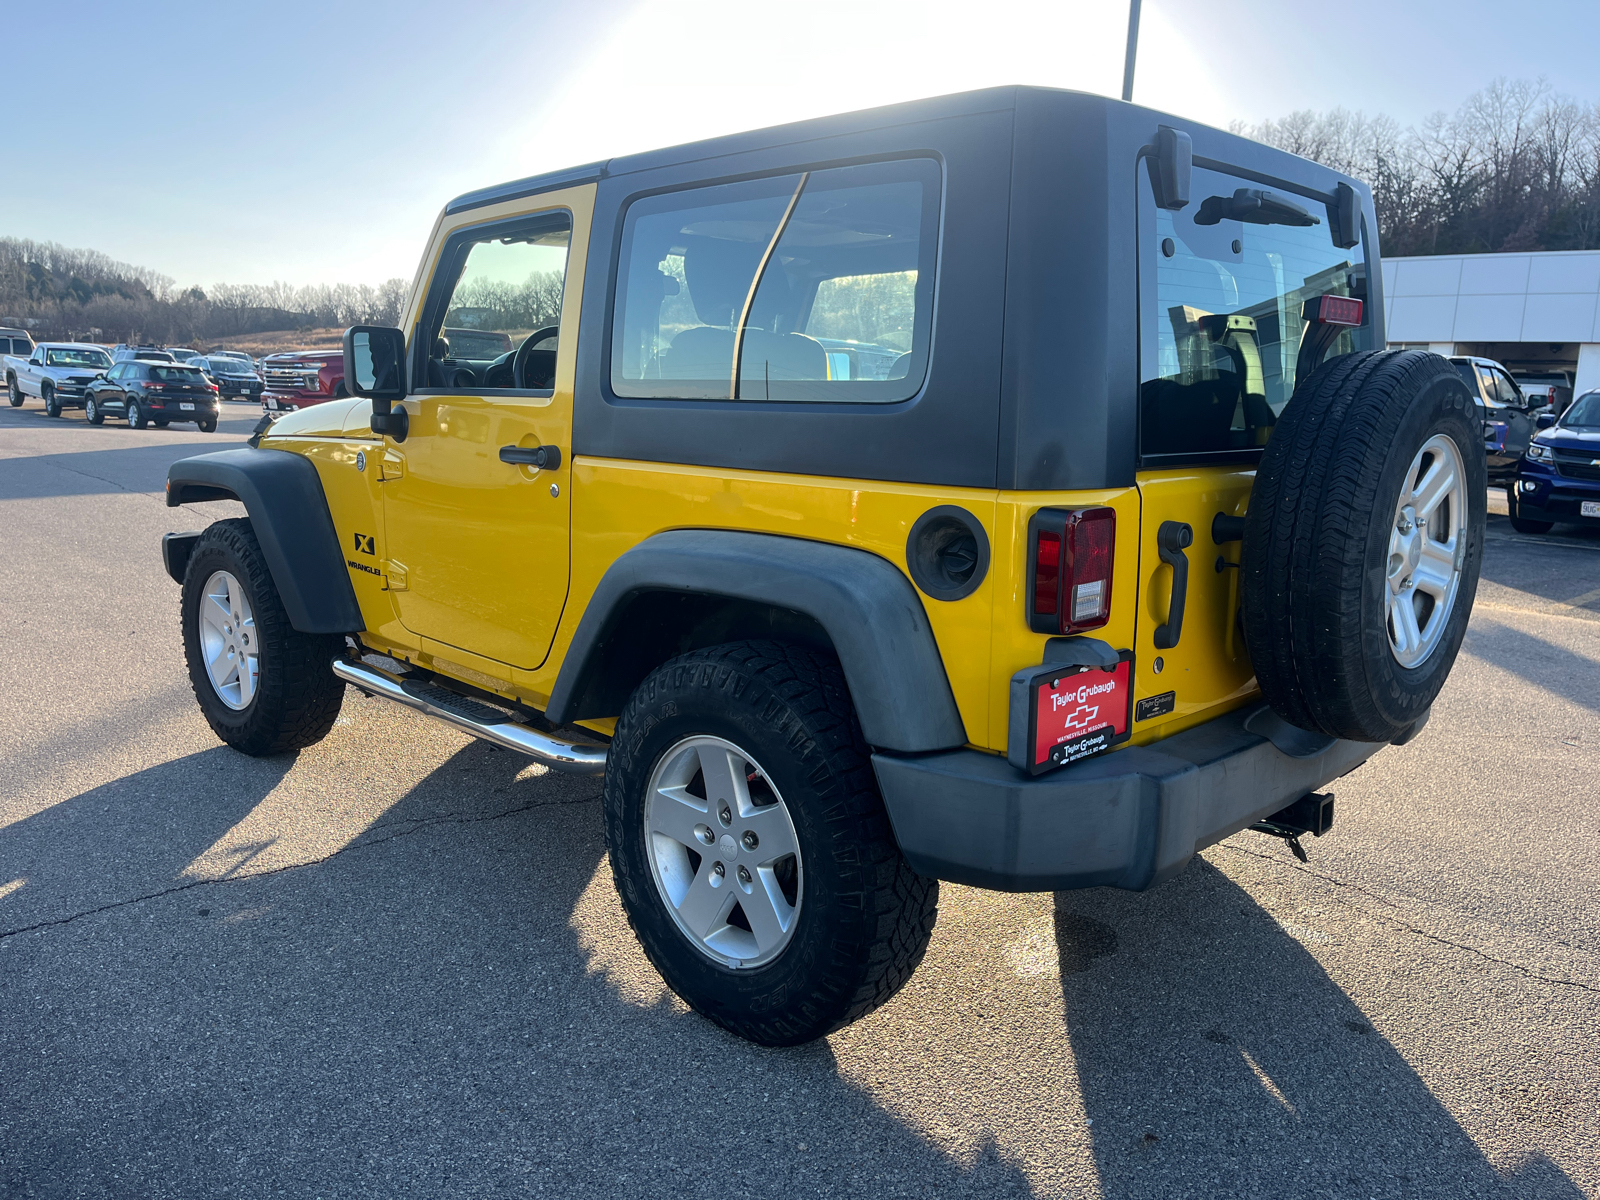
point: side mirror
(1545, 420)
(375, 367)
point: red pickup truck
(294, 381)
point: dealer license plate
(272, 404)
(186, 407)
(1078, 711)
(1589, 508)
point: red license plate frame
(1061, 698)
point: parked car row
(143, 391)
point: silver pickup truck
(56, 372)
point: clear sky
(314, 141)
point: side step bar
(480, 720)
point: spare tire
(1363, 543)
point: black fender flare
(289, 513)
(864, 604)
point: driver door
(477, 532)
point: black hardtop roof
(1209, 141)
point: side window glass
(1509, 392)
(1223, 286)
(1491, 389)
(497, 330)
(819, 286)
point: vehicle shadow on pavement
(97, 472)
(127, 838)
(450, 1005)
(1217, 1057)
(1544, 664)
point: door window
(1491, 388)
(498, 301)
(810, 287)
(1509, 394)
(1223, 282)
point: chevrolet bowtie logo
(1081, 718)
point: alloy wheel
(1427, 547)
(228, 640)
(723, 852)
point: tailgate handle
(1172, 539)
(540, 458)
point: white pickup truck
(56, 372)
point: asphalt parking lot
(395, 964)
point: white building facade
(1532, 312)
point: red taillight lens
(152, 387)
(1070, 569)
(1047, 572)
(1333, 310)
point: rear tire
(208, 426)
(91, 409)
(1340, 577)
(861, 918)
(293, 697)
(136, 419)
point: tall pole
(1133, 46)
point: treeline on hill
(62, 293)
(1516, 167)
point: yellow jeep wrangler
(1009, 488)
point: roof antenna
(1133, 46)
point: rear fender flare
(289, 513)
(864, 605)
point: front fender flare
(289, 513)
(865, 605)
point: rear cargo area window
(1223, 283)
(804, 287)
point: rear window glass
(1221, 299)
(177, 374)
(820, 286)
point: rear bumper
(1130, 819)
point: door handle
(540, 458)
(1172, 539)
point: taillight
(1071, 552)
(1333, 310)
(214, 388)
(152, 387)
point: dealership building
(1531, 312)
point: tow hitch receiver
(1312, 813)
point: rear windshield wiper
(1253, 206)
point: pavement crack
(1407, 925)
(409, 827)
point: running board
(480, 720)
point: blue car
(1559, 477)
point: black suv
(233, 376)
(153, 392)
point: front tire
(751, 848)
(91, 409)
(264, 687)
(1519, 522)
(15, 393)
